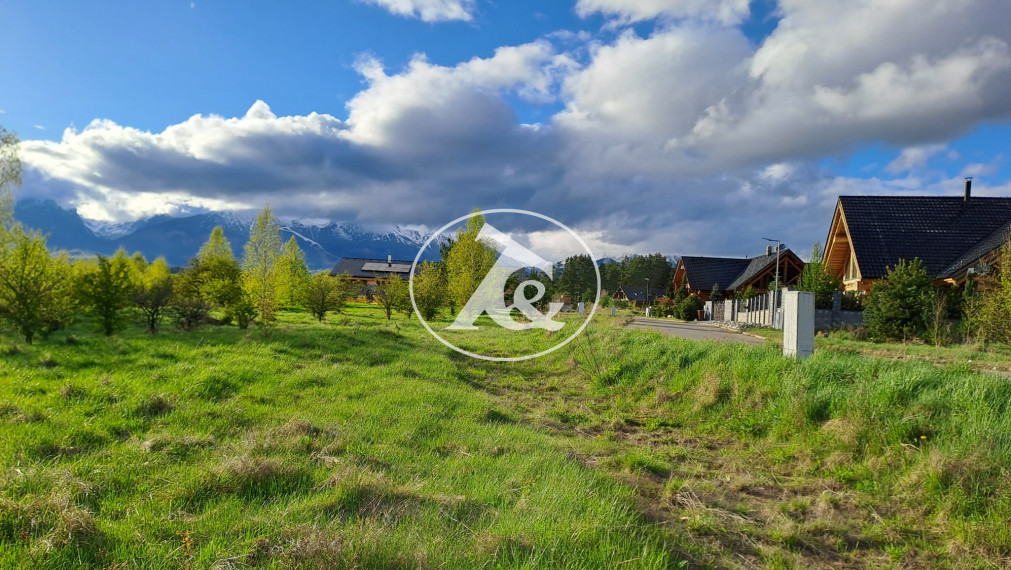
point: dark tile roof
(997, 238)
(359, 267)
(755, 266)
(639, 293)
(939, 231)
(701, 273)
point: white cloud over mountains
(690, 139)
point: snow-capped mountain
(179, 238)
(110, 230)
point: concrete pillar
(798, 324)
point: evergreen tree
(897, 306)
(216, 246)
(577, 277)
(611, 275)
(654, 266)
(260, 265)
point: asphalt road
(693, 330)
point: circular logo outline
(417, 258)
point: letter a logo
(488, 298)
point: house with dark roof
(700, 273)
(636, 295)
(950, 235)
(368, 270)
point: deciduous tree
(152, 293)
(107, 292)
(323, 294)
(468, 261)
(10, 177)
(988, 301)
(35, 288)
(818, 279)
(260, 267)
(388, 292)
(429, 290)
(293, 275)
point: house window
(851, 268)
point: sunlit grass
(364, 442)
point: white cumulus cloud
(722, 11)
(691, 138)
(429, 10)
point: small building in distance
(950, 235)
(366, 271)
(735, 274)
(637, 295)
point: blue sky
(415, 111)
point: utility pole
(775, 291)
(647, 296)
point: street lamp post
(647, 296)
(775, 291)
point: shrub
(818, 279)
(988, 301)
(897, 306)
(852, 301)
(688, 308)
(747, 294)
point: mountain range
(179, 238)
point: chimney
(389, 260)
(968, 187)
(768, 250)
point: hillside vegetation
(362, 442)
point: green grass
(993, 357)
(366, 443)
(329, 446)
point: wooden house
(952, 236)
(367, 271)
(735, 274)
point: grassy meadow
(363, 443)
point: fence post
(798, 324)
